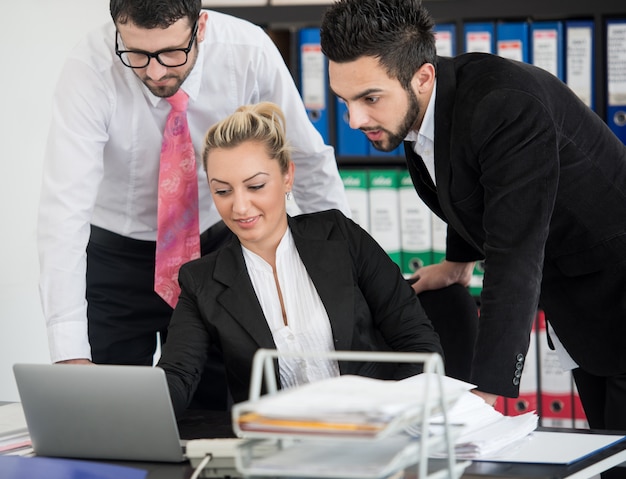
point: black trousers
(125, 314)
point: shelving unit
(289, 18)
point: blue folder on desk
(17, 467)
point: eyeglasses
(171, 58)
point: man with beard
(526, 176)
(98, 214)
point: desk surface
(197, 424)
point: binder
(440, 233)
(393, 153)
(528, 399)
(355, 185)
(547, 48)
(314, 80)
(512, 40)
(479, 37)
(384, 211)
(556, 384)
(476, 281)
(349, 142)
(616, 76)
(579, 59)
(415, 227)
(445, 39)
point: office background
(35, 37)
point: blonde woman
(313, 282)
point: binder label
(579, 62)
(616, 61)
(313, 77)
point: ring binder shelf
(330, 429)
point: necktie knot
(178, 100)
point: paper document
(12, 420)
(349, 405)
(483, 430)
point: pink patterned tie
(178, 236)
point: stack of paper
(14, 438)
(347, 406)
(483, 430)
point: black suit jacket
(369, 305)
(534, 182)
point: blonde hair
(262, 122)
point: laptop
(99, 412)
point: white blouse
(308, 327)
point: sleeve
(519, 163)
(395, 308)
(185, 352)
(72, 172)
(317, 185)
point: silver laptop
(99, 412)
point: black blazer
(369, 305)
(534, 182)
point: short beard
(410, 119)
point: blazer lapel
(444, 111)
(328, 264)
(239, 298)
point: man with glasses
(98, 211)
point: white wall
(36, 36)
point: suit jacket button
(516, 381)
(520, 357)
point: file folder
(349, 142)
(314, 80)
(616, 76)
(445, 39)
(385, 211)
(512, 40)
(357, 193)
(579, 62)
(479, 37)
(415, 227)
(547, 47)
(393, 153)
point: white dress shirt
(423, 141)
(102, 158)
(308, 327)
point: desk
(197, 424)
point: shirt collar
(427, 128)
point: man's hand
(441, 275)
(487, 397)
(75, 361)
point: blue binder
(349, 142)
(512, 40)
(547, 48)
(445, 39)
(616, 76)
(314, 80)
(579, 59)
(398, 152)
(479, 37)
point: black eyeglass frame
(155, 55)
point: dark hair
(154, 13)
(396, 32)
